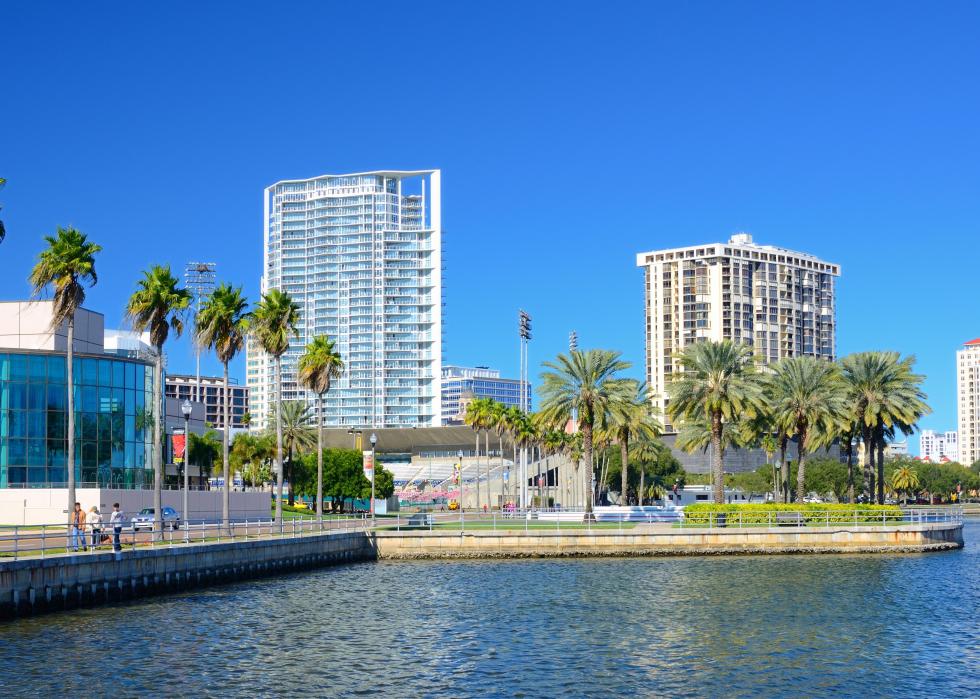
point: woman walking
(95, 523)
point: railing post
(16, 542)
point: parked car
(145, 519)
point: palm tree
(807, 402)
(497, 421)
(67, 264)
(718, 384)
(158, 306)
(905, 480)
(632, 419)
(222, 325)
(296, 435)
(586, 383)
(645, 448)
(480, 416)
(273, 324)
(318, 367)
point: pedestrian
(116, 520)
(77, 527)
(95, 525)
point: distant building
(968, 401)
(462, 384)
(896, 449)
(212, 395)
(938, 446)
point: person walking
(116, 520)
(94, 520)
(77, 527)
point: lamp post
(459, 455)
(185, 410)
(374, 441)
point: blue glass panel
(118, 432)
(57, 475)
(89, 455)
(4, 449)
(118, 374)
(17, 454)
(36, 455)
(89, 426)
(4, 367)
(118, 457)
(17, 423)
(130, 454)
(105, 427)
(57, 425)
(37, 367)
(56, 369)
(105, 453)
(105, 399)
(130, 374)
(17, 396)
(36, 423)
(57, 397)
(90, 400)
(16, 475)
(105, 372)
(37, 476)
(90, 372)
(140, 401)
(118, 400)
(130, 402)
(37, 396)
(18, 367)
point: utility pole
(199, 279)
(524, 331)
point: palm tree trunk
(476, 455)
(783, 467)
(500, 441)
(291, 500)
(801, 467)
(226, 495)
(158, 443)
(70, 372)
(278, 441)
(639, 497)
(624, 462)
(866, 463)
(587, 486)
(850, 470)
(717, 457)
(486, 443)
(319, 464)
(881, 470)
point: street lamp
(459, 455)
(185, 410)
(374, 441)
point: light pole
(459, 455)
(374, 441)
(185, 410)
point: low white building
(939, 446)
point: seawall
(35, 585)
(663, 541)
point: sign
(178, 441)
(368, 465)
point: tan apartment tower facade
(968, 401)
(781, 302)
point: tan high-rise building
(780, 301)
(968, 401)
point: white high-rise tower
(361, 255)
(968, 401)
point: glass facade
(113, 428)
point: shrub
(764, 513)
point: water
(846, 625)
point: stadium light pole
(185, 409)
(374, 441)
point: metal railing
(856, 517)
(45, 540)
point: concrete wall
(27, 325)
(646, 540)
(49, 505)
(36, 585)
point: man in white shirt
(116, 520)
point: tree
(204, 450)
(158, 306)
(479, 415)
(904, 480)
(68, 265)
(807, 401)
(632, 418)
(585, 383)
(274, 322)
(318, 366)
(717, 385)
(251, 455)
(297, 437)
(222, 325)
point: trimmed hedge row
(762, 513)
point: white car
(145, 519)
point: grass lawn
(511, 525)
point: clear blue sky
(571, 136)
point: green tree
(251, 456)
(717, 385)
(904, 481)
(318, 367)
(222, 325)
(204, 450)
(297, 436)
(479, 415)
(274, 322)
(344, 479)
(158, 306)
(68, 265)
(586, 384)
(807, 401)
(632, 418)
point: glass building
(362, 256)
(113, 431)
(458, 383)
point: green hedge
(763, 513)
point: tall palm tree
(905, 480)
(497, 421)
(274, 322)
(631, 419)
(479, 416)
(67, 264)
(318, 367)
(585, 383)
(222, 325)
(158, 306)
(718, 384)
(808, 399)
(644, 449)
(297, 436)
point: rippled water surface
(857, 625)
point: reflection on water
(727, 626)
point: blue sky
(571, 136)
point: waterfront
(720, 626)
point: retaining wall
(651, 541)
(35, 585)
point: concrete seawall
(660, 541)
(33, 585)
